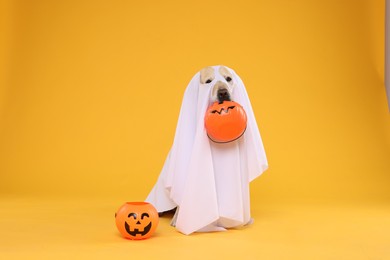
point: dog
(207, 182)
(222, 88)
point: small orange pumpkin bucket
(225, 122)
(136, 220)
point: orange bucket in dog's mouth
(225, 122)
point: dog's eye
(228, 79)
(208, 81)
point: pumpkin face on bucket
(136, 220)
(225, 122)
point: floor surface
(85, 229)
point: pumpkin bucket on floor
(136, 220)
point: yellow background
(89, 98)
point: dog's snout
(222, 92)
(223, 95)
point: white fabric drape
(209, 182)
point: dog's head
(220, 79)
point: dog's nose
(223, 95)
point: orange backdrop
(91, 92)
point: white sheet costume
(209, 182)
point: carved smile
(222, 110)
(136, 230)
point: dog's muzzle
(223, 95)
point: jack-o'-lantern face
(136, 220)
(138, 225)
(225, 121)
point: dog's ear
(207, 75)
(226, 74)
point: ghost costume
(209, 182)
